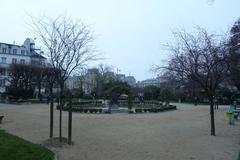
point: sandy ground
(183, 134)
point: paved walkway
(183, 134)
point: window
(4, 50)
(14, 61)
(14, 51)
(4, 60)
(2, 82)
(22, 61)
(22, 52)
(34, 62)
(2, 71)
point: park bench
(1, 118)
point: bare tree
(38, 78)
(21, 75)
(50, 76)
(15, 75)
(102, 78)
(199, 58)
(68, 45)
(233, 55)
(103, 68)
(80, 80)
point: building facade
(16, 54)
(149, 82)
(90, 81)
(130, 80)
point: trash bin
(230, 117)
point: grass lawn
(13, 147)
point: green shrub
(160, 109)
(16, 93)
(130, 111)
(171, 107)
(149, 109)
(96, 110)
(108, 112)
(85, 110)
(138, 110)
(87, 103)
(91, 110)
(154, 110)
(34, 101)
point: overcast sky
(129, 33)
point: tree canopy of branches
(22, 81)
(116, 88)
(21, 75)
(233, 56)
(199, 58)
(27, 77)
(68, 45)
(151, 92)
(161, 93)
(102, 78)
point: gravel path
(183, 134)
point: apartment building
(16, 54)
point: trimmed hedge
(155, 110)
(85, 110)
(87, 102)
(142, 109)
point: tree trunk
(51, 112)
(212, 116)
(70, 120)
(39, 93)
(60, 110)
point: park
(120, 80)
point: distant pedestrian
(232, 99)
(195, 101)
(48, 99)
(215, 100)
(179, 100)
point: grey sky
(129, 32)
